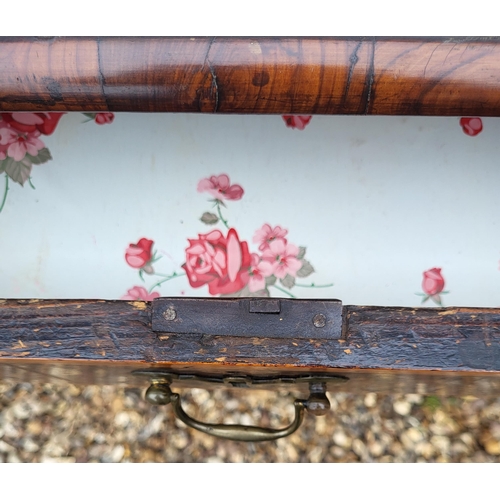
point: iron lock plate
(249, 317)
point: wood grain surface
(450, 351)
(452, 76)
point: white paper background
(376, 201)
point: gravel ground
(65, 423)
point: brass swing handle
(160, 394)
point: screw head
(169, 313)
(319, 320)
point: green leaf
(436, 299)
(259, 293)
(43, 156)
(209, 218)
(18, 171)
(245, 292)
(302, 252)
(270, 280)
(305, 270)
(288, 281)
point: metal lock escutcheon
(249, 317)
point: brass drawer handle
(159, 393)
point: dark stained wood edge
(440, 76)
(453, 349)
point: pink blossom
(297, 121)
(266, 234)
(139, 293)
(18, 144)
(259, 271)
(220, 188)
(283, 257)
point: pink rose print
(139, 255)
(471, 125)
(259, 271)
(220, 188)
(16, 144)
(433, 285)
(102, 118)
(220, 262)
(283, 258)
(224, 262)
(296, 121)
(139, 293)
(266, 234)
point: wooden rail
(365, 75)
(383, 349)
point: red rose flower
(433, 282)
(45, 123)
(471, 125)
(220, 262)
(296, 121)
(102, 118)
(138, 255)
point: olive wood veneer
(451, 76)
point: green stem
(285, 291)
(312, 285)
(5, 192)
(31, 184)
(224, 221)
(168, 278)
(165, 275)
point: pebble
(67, 423)
(34, 427)
(30, 446)
(410, 437)
(370, 400)
(114, 455)
(340, 438)
(441, 443)
(492, 446)
(402, 407)
(376, 448)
